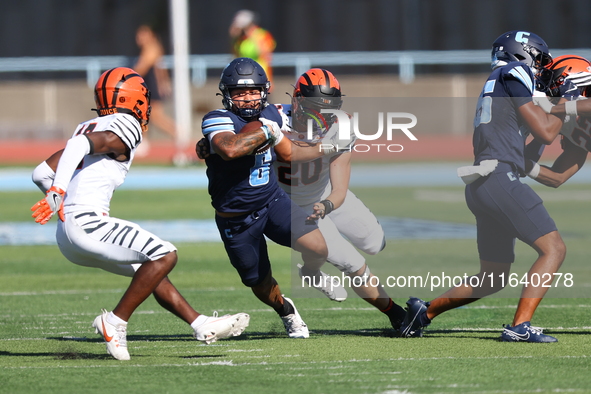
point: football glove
(568, 90)
(202, 148)
(52, 203)
(276, 135)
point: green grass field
(48, 304)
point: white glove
(543, 102)
(274, 130)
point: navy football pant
(506, 209)
(281, 221)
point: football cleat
(294, 325)
(329, 286)
(524, 332)
(414, 321)
(397, 317)
(115, 336)
(226, 326)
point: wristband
(267, 131)
(328, 206)
(570, 107)
(535, 171)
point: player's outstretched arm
(577, 107)
(340, 174)
(565, 166)
(285, 150)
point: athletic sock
(395, 313)
(114, 319)
(285, 309)
(199, 321)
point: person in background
(251, 40)
(157, 79)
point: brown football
(254, 125)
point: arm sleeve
(76, 149)
(43, 177)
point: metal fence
(406, 61)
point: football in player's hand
(254, 125)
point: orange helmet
(322, 84)
(576, 68)
(122, 90)
(315, 90)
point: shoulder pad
(520, 72)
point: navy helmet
(520, 46)
(244, 72)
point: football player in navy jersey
(505, 208)
(248, 202)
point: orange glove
(52, 203)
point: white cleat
(226, 326)
(115, 336)
(294, 325)
(327, 285)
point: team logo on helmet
(122, 90)
(520, 46)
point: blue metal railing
(300, 61)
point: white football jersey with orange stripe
(305, 182)
(97, 176)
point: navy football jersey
(497, 124)
(244, 184)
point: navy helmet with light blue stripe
(520, 46)
(244, 72)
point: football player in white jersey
(80, 180)
(321, 185)
(576, 133)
